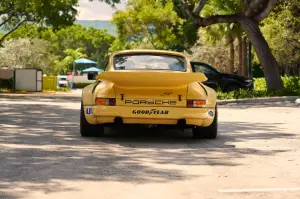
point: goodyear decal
(150, 112)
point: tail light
(196, 103)
(105, 101)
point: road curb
(261, 100)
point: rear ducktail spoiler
(150, 79)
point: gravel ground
(42, 155)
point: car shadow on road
(41, 146)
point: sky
(96, 10)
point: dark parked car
(226, 82)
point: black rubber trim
(96, 84)
(204, 89)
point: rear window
(149, 62)
(63, 79)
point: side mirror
(91, 76)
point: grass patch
(4, 90)
(57, 90)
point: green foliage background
(291, 84)
(147, 24)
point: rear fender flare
(87, 95)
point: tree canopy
(55, 13)
(248, 13)
(60, 46)
(148, 21)
(281, 30)
(272, 26)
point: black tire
(209, 132)
(232, 87)
(89, 130)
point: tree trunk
(231, 53)
(244, 57)
(240, 53)
(264, 54)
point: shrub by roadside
(291, 84)
(57, 90)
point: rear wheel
(89, 130)
(209, 132)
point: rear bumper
(149, 115)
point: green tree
(71, 37)
(249, 14)
(26, 53)
(95, 43)
(148, 22)
(281, 30)
(225, 35)
(119, 44)
(215, 55)
(55, 13)
(70, 56)
(27, 30)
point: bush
(291, 84)
(6, 83)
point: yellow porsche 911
(149, 87)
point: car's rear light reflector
(105, 101)
(112, 101)
(196, 103)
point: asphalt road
(42, 155)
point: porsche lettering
(151, 112)
(151, 102)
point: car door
(212, 75)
